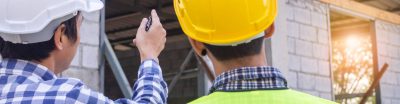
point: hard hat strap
(262, 34)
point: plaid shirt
(26, 82)
(250, 78)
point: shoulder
(261, 96)
(58, 84)
(77, 92)
(73, 91)
(54, 91)
(58, 87)
(65, 83)
(304, 97)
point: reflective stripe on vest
(287, 96)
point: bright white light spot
(352, 42)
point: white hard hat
(32, 21)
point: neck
(49, 63)
(250, 61)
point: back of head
(36, 51)
(224, 53)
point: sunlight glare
(352, 42)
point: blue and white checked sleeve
(149, 88)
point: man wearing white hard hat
(39, 38)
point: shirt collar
(250, 78)
(25, 68)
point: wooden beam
(120, 47)
(113, 19)
(126, 36)
(365, 9)
(354, 26)
(348, 96)
(131, 31)
(350, 21)
(395, 10)
(177, 42)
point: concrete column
(85, 65)
(300, 46)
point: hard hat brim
(41, 19)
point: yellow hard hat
(225, 22)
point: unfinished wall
(300, 46)
(85, 65)
(388, 40)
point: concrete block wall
(388, 44)
(302, 42)
(85, 65)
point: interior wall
(300, 46)
(388, 40)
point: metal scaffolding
(107, 54)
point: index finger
(142, 24)
(154, 16)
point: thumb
(134, 42)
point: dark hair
(223, 53)
(37, 51)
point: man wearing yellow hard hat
(231, 33)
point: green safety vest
(286, 96)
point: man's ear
(270, 31)
(58, 35)
(197, 46)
